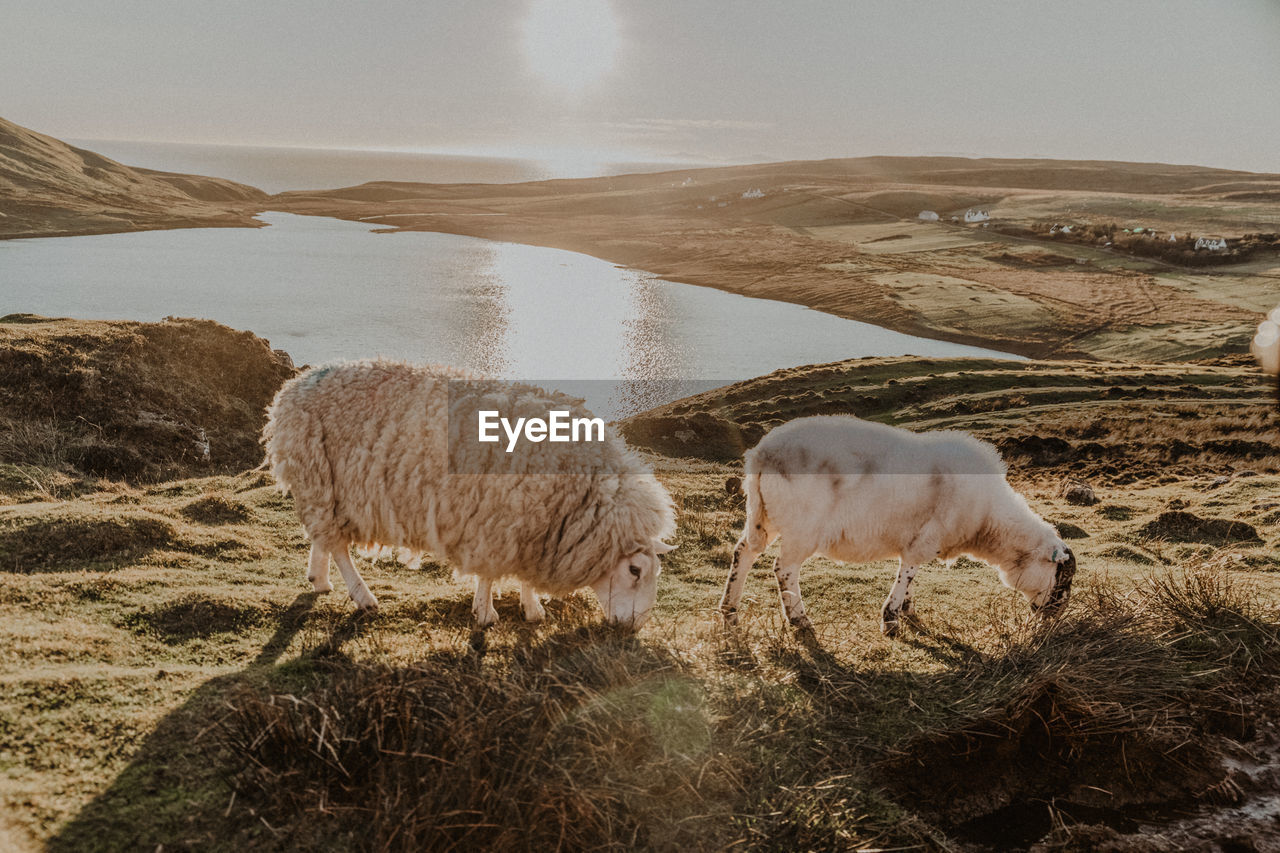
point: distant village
(1185, 248)
(1141, 240)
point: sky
(708, 80)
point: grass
(169, 679)
(186, 695)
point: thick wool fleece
(366, 450)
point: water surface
(326, 289)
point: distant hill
(50, 188)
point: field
(170, 680)
(842, 236)
(839, 236)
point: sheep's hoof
(322, 587)
(801, 623)
(729, 615)
(485, 618)
(889, 627)
(535, 616)
(370, 608)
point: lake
(326, 289)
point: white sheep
(381, 453)
(857, 491)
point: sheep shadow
(121, 817)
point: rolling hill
(49, 188)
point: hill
(130, 401)
(50, 188)
(842, 236)
(1110, 423)
(169, 679)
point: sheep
(385, 454)
(858, 491)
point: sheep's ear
(1060, 553)
(660, 547)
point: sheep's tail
(757, 517)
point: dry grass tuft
(583, 738)
(1182, 526)
(217, 509)
(50, 543)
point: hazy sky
(1175, 81)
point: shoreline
(884, 319)
(837, 236)
(842, 237)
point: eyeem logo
(556, 427)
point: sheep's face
(1056, 572)
(629, 589)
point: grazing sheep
(380, 453)
(857, 491)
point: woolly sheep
(383, 454)
(858, 491)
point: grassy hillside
(50, 188)
(170, 680)
(132, 401)
(1112, 423)
(842, 236)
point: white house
(974, 214)
(927, 216)
(753, 193)
(1213, 244)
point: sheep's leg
(482, 604)
(355, 584)
(318, 569)
(744, 557)
(787, 567)
(899, 600)
(533, 611)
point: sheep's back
(834, 479)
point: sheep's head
(628, 590)
(1057, 571)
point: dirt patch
(1182, 526)
(216, 509)
(62, 543)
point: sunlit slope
(1111, 422)
(843, 236)
(48, 187)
